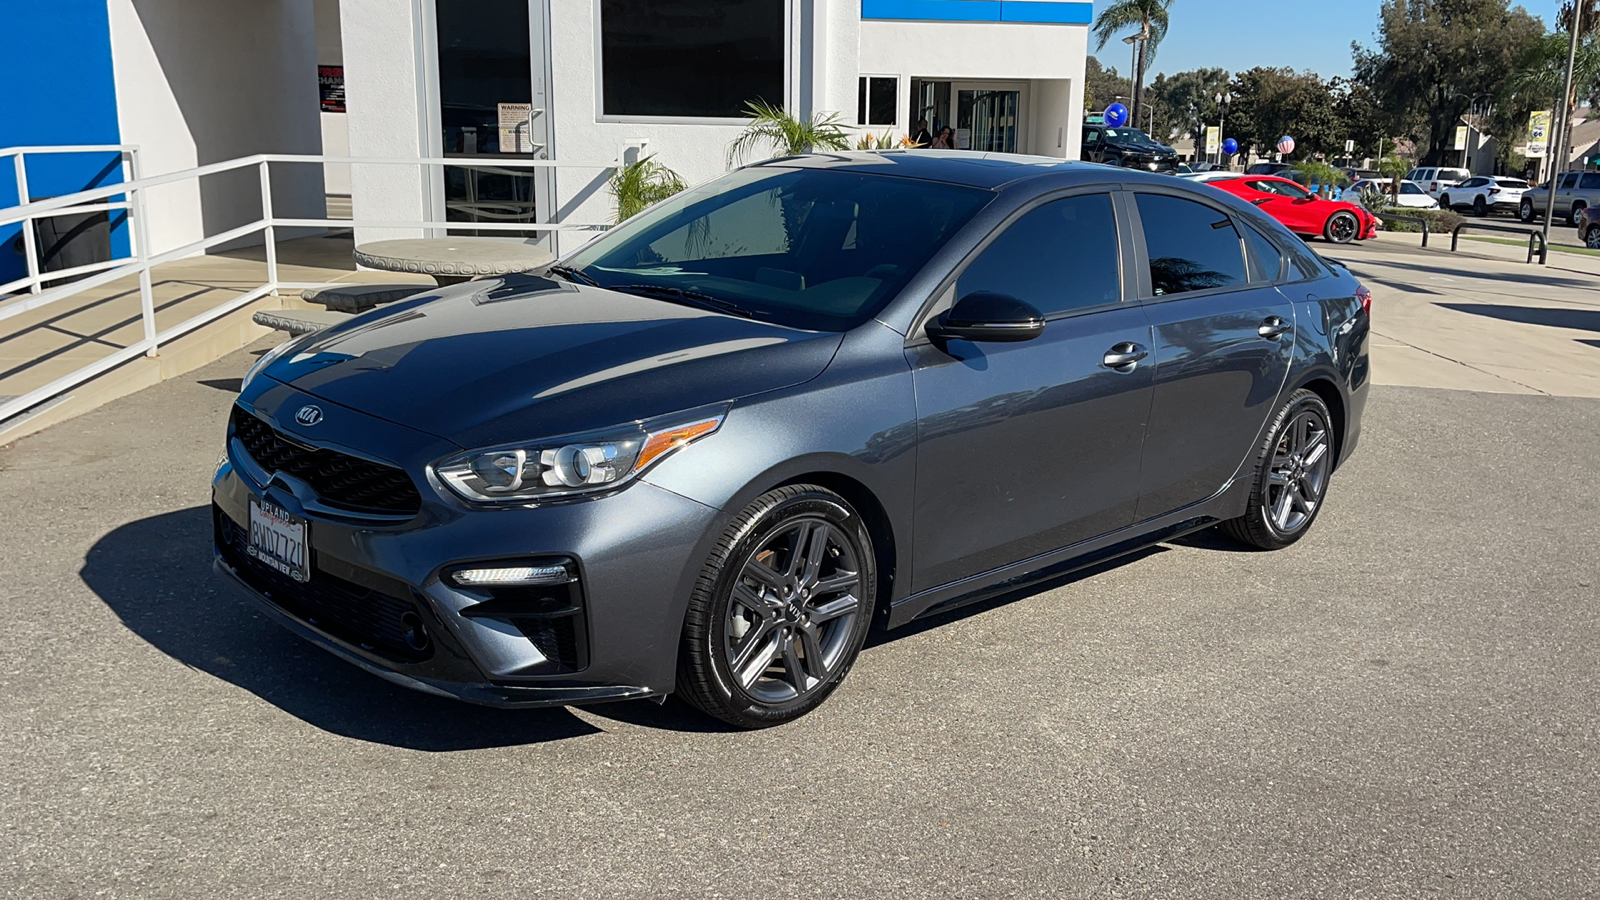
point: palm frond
(641, 184)
(787, 135)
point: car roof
(981, 170)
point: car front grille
(341, 481)
(388, 626)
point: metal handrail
(143, 260)
(1535, 238)
(1396, 217)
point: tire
(1444, 201)
(1591, 238)
(1341, 227)
(1525, 212)
(1479, 208)
(755, 621)
(1572, 217)
(1281, 513)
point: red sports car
(1300, 210)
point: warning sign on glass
(331, 81)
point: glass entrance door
(491, 107)
(988, 118)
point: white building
(438, 78)
(578, 81)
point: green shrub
(1440, 221)
(640, 184)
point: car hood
(522, 357)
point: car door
(1224, 336)
(1027, 447)
(1092, 136)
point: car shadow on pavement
(155, 574)
(1577, 319)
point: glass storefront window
(690, 58)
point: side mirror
(985, 316)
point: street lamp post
(1559, 150)
(1223, 99)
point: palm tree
(1151, 18)
(787, 135)
(1543, 75)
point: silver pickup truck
(1577, 192)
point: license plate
(279, 540)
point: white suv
(1484, 194)
(1435, 180)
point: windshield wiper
(574, 275)
(687, 295)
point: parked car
(1436, 180)
(1589, 227)
(707, 451)
(1269, 168)
(1484, 194)
(1129, 148)
(1412, 196)
(1301, 211)
(1213, 175)
(1578, 192)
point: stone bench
(300, 321)
(354, 298)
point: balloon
(1116, 115)
(1230, 146)
(1286, 145)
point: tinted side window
(1266, 260)
(1569, 180)
(1590, 181)
(1192, 246)
(1059, 257)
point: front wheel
(1444, 201)
(1341, 228)
(781, 609)
(1291, 480)
(1591, 238)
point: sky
(1300, 34)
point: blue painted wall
(57, 87)
(1058, 12)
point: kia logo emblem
(308, 415)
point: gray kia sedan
(707, 452)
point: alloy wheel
(1342, 228)
(1298, 475)
(793, 611)
(1591, 238)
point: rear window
(1591, 181)
(1192, 247)
(1511, 182)
(1454, 174)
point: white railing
(133, 191)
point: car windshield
(1409, 188)
(818, 249)
(1131, 136)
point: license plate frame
(279, 539)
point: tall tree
(1185, 103)
(1269, 103)
(1101, 84)
(1435, 58)
(1150, 17)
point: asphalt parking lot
(1402, 705)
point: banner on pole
(1538, 134)
(1213, 138)
(1461, 138)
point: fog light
(493, 576)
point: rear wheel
(1342, 227)
(1292, 472)
(1525, 211)
(781, 609)
(1572, 217)
(1479, 208)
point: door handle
(1273, 328)
(1125, 356)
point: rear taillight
(1493, 191)
(1365, 296)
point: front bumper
(379, 595)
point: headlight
(578, 464)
